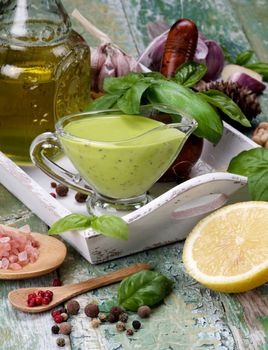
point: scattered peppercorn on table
(191, 317)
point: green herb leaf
(110, 225)
(153, 76)
(188, 103)
(143, 288)
(259, 67)
(120, 84)
(190, 73)
(244, 57)
(71, 222)
(257, 186)
(104, 102)
(253, 164)
(226, 105)
(130, 102)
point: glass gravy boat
(119, 156)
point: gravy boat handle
(39, 147)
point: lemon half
(227, 251)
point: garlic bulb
(107, 60)
(110, 61)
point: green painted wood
(19, 330)
(192, 317)
(106, 15)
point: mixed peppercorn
(116, 315)
(62, 191)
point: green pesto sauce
(114, 156)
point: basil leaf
(190, 73)
(154, 76)
(130, 102)
(188, 103)
(259, 67)
(249, 162)
(71, 222)
(244, 57)
(143, 288)
(110, 225)
(226, 105)
(257, 186)
(120, 84)
(104, 102)
(253, 164)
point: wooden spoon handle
(18, 297)
(72, 290)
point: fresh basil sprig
(190, 73)
(253, 164)
(143, 288)
(190, 104)
(244, 57)
(226, 105)
(108, 225)
(129, 92)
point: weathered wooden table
(192, 317)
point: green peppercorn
(61, 342)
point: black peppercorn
(53, 184)
(136, 324)
(55, 329)
(62, 190)
(81, 197)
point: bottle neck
(33, 22)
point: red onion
(214, 60)
(243, 76)
(247, 81)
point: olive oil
(44, 75)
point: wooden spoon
(18, 297)
(52, 252)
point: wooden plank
(107, 16)
(252, 16)
(192, 317)
(203, 319)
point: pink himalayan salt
(17, 247)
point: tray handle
(216, 201)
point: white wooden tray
(167, 218)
